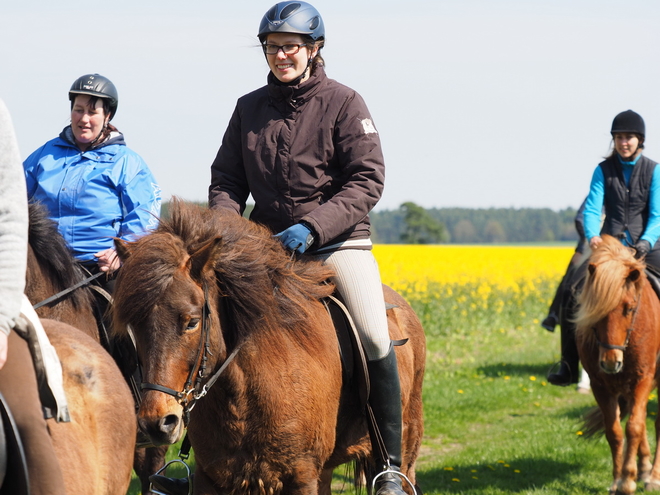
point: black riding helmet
(292, 17)
(630, 122)
(98, 86)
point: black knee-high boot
(385, 402)
(568, 372)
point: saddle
(13, 465)
(353, 357)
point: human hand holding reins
(108, 260)
(595, 241)
(297, 238)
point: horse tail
(363, 471)
(594, 424)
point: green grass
(492, 424)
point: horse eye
(192, 324)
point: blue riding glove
(297, 238)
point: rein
(190, 394)
(65, 292)
(623, 347)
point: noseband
(190, 394)
(623, 347)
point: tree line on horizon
(413, 224)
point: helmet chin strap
(301, 76)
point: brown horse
(95, 449)
(618, 338)
(52, 269)
(208, 285)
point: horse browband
(628, 331)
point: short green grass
(492, 424)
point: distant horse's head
(610, 301)
(169, 290)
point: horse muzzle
(611, 362)
(163, 428)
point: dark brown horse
(619, 341)
(51, 269)
(95, 449)
(276, 420)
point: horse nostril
(169, 423)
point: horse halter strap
(190, 394)
(623, 347)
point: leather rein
(629, 331)
(191, 393)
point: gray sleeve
(13, 224)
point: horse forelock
(607, 283)
(252, 270)
(145, 276)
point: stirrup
(164, 468)
(389, 470)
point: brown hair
(613, 153)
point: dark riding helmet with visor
(292, 17)
(98, 86)
(629, 122)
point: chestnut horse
(618, 335)
(95, 449)
(211, 292)
(52, 269)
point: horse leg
(653, 483)
(635, 431)
(325, 482)
(147, 462)
(609, 406)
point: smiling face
(287, 68)
(87, 121)
(627, 145)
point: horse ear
(592, 268)
(633, 275)
(122, 248)
(204, 257)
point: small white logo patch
(368, 126)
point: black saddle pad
(16, 476)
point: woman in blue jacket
(93, 185)
(626, 186)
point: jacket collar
(295, 96)
(114, 138)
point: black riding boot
(385, 402)
(568, 372)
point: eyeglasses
(286, 49)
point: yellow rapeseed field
(410, 268)
(463, 287)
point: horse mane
(607, 282)
(263, 285)
(53, 254)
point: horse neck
(39, 286)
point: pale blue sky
(478, 103)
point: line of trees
(412, 224)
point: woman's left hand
(108, 260)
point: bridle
(623, 347)
(191, 393)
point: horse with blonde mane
(618, 336)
